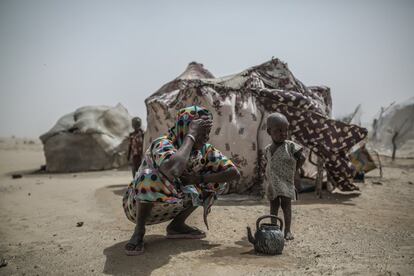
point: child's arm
(262, 173)
(129, 148)
(300, 158)
(263, 163)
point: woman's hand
(175, 166)
(199, 127)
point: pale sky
(56, 56)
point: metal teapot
(269, 238)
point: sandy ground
(370, 234)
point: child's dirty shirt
(280, 170)
(135, 140)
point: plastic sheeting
(91, 138)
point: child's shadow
(158, 252)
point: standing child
(283, 157)
(135, 145)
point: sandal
(192, 233)
(134, 249)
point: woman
(179, 172)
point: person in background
(135, 145)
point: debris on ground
(3, 262)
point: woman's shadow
(158, 252)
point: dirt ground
(369, 234)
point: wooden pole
(319, 178)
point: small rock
(35, 266)
(410, 182)
(54, 235)
(79, 224)
(3, 262)
(317, 256)
(29, 194)
(15, 176)
(74, 175)
(377, 182)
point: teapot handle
(269, 216)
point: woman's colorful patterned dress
(171, 197)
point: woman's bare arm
(175, 166)
(224, 176)
(219, 177)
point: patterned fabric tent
(240, 104)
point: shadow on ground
(119, 189)
(327, 198)
(158, 252)
(245, 200)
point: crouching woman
(180, 171)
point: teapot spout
(250, 236)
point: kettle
(269, 238)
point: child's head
(136, 123)
(277, 127)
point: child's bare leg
(136, 162)
(135, 246)
(274, 208)
(287, 214)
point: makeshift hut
(394, 129)
(240, 104)
(90, 138)
(360, 157)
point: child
(283, 157)
(135, 145)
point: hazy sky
(56, 56)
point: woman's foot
(289, 236)
(134, 247)
(184, 232)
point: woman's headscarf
(182, 122)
